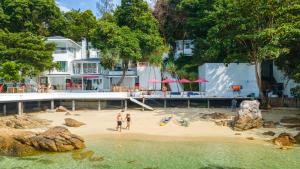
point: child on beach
(128, 120)
(119, 122)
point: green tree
(26, 53)
(29, 15)
(109, 36)
(250, 30)
(133, 31)
(172, 22)
(137, 15)
(109, 59)
(10, 71)
(80, 25)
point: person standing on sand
(119, 122)
(128, 120)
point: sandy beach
(145, 124)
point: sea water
(108, 153)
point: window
(89, 68)
(62, 66)
(59, 50)
(77, 68)
(187, 45)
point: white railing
(9, 97)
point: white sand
(147, 123)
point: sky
(66, 5)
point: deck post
(39, 104)
(73, 105)
(122, 104)
(20, 108)
(4, 109)
(99, 105)
(143, 108)
(125, 108)
(52, 104)
(165, 103)
(208, 103)
(189, 103)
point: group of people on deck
(120, 121)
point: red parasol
(200, 81)
(168, 81)
(184, 81)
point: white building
(287, 84)
(77, 71)
(184, 47)
(222, 80)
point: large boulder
(61, 109)
(73, 123)
(249, 116)
(23, 122)
(284, 140)
(56, 139)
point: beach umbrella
(200, 80)
(169, 81)
(184, 81)
(154, 81)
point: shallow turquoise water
(138, 154)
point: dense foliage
(23, 26)
(244, 31)
(132, 31)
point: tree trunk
(259, 82)
(87, 48)
(125, 68)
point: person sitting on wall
(233, 104)
(164, 89)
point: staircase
(140, 103)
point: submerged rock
(297, 138)
(10, 146)
(216, 115)
(249, 116)
(269, 124)
(73, 123)
(284, 140)
(68, 114)
(290, 122)
(269, 133)
(250, 138)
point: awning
(89, 77)
(118, 76)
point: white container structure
(222, 77)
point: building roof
(61, 38)
(87, 60)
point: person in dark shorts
(128, 120)
(119, 122)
